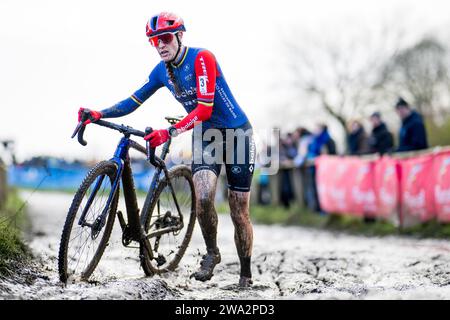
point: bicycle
(168, 210)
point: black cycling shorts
(233, 147)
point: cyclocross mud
(288, 263)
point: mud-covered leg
(205, 182)
(243, 232)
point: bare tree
(421, 72)
(342, 71)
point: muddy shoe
(245, 282)
(207, 265)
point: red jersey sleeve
(205, 72)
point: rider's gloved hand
(157, 137)
(96, 115)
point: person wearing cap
(380, 140)
(412, 135)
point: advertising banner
(330, 178)
(346, 185)
(386, 180)
(441, 173)
(360, 183)
(417, 188)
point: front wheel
(172, 229)
(84, 238)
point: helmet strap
(178, 50)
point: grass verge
(12, 221)
(344, 223)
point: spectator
(320, 140)
(288, 148)
(380, 140)
(288, 152)
(305, 138)
(412, 134)
(357, 139)
(264, 157)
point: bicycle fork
(100, 221)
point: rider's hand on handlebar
(95, 115)
(157, 137)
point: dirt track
(288, 263)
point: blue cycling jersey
(226, 111)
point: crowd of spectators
(296, 149)
(301, 146)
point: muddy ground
(288, 263)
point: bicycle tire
(109, 169)
(177, 173)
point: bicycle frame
(122, 160)
(158, 217)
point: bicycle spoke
(166, 215)
(85, 242)
(81, 253)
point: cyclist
(196, 80)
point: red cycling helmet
(165, 22)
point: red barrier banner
(417, 189)
(360, 184)
(331, 173)
(345, 185)
(442, 186)
(386, 180)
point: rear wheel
(160, 213)
(84, 239)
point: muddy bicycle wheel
(160, 213)
(83, 240)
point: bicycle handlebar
(86, 115)
(121, 128)
(126, 130)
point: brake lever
(81, 127)
(80, 136)
(150, 150)
(78, 127)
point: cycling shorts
(233, 147)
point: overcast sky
(59, 55)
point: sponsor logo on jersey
(203, 65)
(184, 128)
(236, 170)
(186, 93)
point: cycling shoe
(245, 282)
(209, 261)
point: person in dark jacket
(380, 140)
(412, 134)
(357, 139)
(288, 152)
